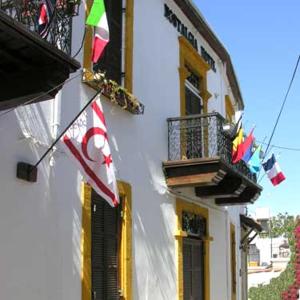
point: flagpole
(64, 131)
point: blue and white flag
(273, 170)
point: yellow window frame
(182, 206)
(125, 258)
(188, 56)
(229, 109)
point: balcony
(199, 156)
(37, 66)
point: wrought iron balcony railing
(202, 136)
(59, 30)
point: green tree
(281, 225)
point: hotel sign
(183, 30)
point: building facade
(170, 110)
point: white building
(178, 234)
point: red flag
(87, 144)
(243, 147)
(45, 13)
(99, 45)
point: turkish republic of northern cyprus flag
(87, 145)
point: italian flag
(98, 19)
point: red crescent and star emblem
(85, 140)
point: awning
(250, 225)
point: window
(111, 61)
(193, 79)
(106, 245)
(192, 251)
(193, 256)
(106, 229)
(118, 13)
(193, 101)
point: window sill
(115, 93)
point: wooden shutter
(193, 269)
(111, 61)
(105, 246)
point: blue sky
(263, 40)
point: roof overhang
(250, 223)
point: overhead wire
(281, 147)
(282, 107)
(43, 94)
(82, 43)
(54, 88)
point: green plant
(283, 224)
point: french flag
(273, 170)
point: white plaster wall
(41, 222)
(220, 268)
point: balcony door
(193, 102)
(193, 106)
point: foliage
(273, 290)
(280, 225)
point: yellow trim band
(86, 245)
(126, 241)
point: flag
(243, 147)
(236, 128)
(236, 144)
(87, 145)
(98, 19)
(247, 146)
(254, 162)
(273, 171)
(45, 14)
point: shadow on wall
(44, 217)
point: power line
(82, 43)
(281, 147)
(282, 106)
